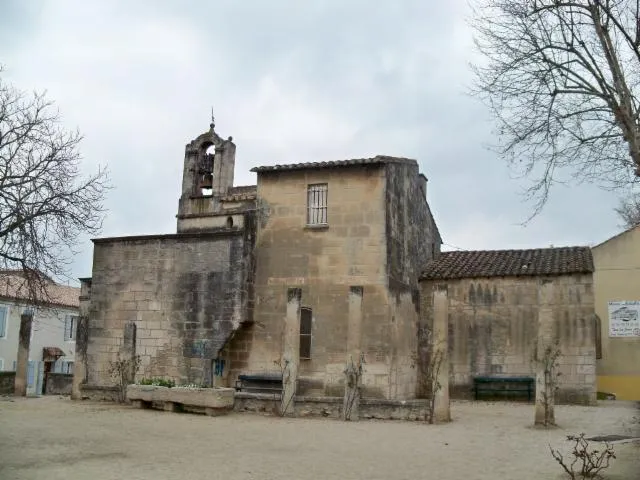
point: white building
(53, 331)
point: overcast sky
(291, 81)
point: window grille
(317, 204)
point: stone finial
(213, 120)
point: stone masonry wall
(331, 407)
(324, 262)
(412, 240)
(184, 293)
(493, 331)
(7, 383)
(412, 234)
(59, 384)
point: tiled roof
(245, 192)
(52, 352)
(13, 286)
(335, 163)
(508, 263)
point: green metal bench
(259, 383)
(504, 385)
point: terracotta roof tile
(378, 159)
(13, 286)
(507, 263)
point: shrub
(123, 371)
(587, 462)
(193, 385)
(158, 382)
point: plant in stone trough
(192, 385)
(123, 372)
(158, 382)
(587, 462)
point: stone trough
(213, 401)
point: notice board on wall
(624, 319)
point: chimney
(422, 180)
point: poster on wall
(624, 319)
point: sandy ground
(53, 438)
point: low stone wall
(101, 393)
(59, 384)
(7, 383)
(577, 396)
(331, 407)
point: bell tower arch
(207, 176)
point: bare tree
(45, 202)
(561, 78)
(547, 362)
(123, 373)
(432, 357)
(353, 383)
(587, 461)
(629, 211)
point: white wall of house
(9, 328)
(52, 327)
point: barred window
(317, 204)
(305, 333)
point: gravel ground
(53, 438)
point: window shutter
(31, 372)
(3, 321)
(317, 204)
(67, 324)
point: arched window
(305, 333)
(205, 182)
(229, 222)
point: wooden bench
(504, 385)
(259, 382)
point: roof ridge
(335, 163)
(519, 249)
(512, 262)
(14, 287)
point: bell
(206, 181)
